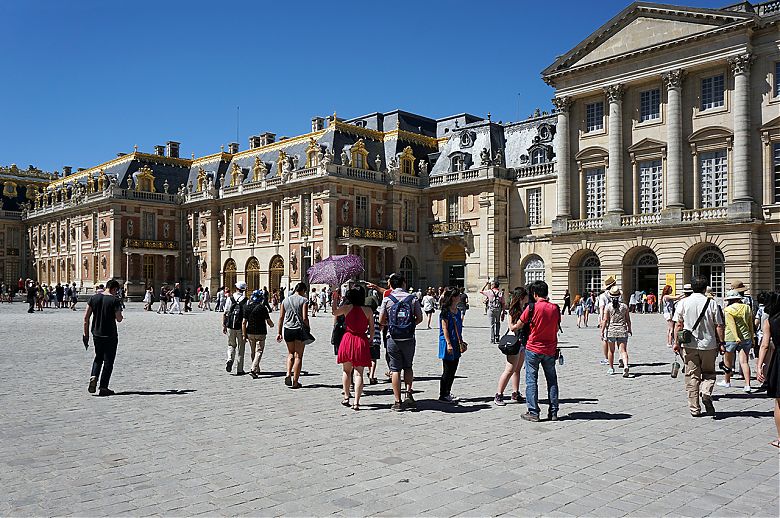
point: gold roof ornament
(145, 180)
(235, 175)
(201, 179)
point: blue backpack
(401, 318)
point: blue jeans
(532, 361)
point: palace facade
(661, 159)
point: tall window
(306, 215)
(148, 225)
(777, 79)
(408, 270)
(589, 274)
(534, 269)
(650, 186)
(594, 116)
(649, 105)
(457, 164)
(714, 179)
(712, 92)
(358, 161)
(712, 265)
(407, 167)
(409, 216)
(452, 208)
(535, 206)
(776, 162)
(361, 211)
(277, 214)
(149, 269)
(252, 217)
(595, 198)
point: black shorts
(376, 351)
(292, 335)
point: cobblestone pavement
(182, 437)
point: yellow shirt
(739, 322)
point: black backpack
(234, 316)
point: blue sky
(85, 79)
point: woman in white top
(148, 299)
(429, 305)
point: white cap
(241, 285)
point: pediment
(643, 26)
(647, 144)
(711, 133)
(773, 124)
(591, 152)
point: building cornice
(135, 155)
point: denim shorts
(618, 339)
(744, 345)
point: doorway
(454, 263)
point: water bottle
(560, 358)
(675, 368)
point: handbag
(685, 336)
(339, 328)
(306, 336)
(509, 344)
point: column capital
(562, 104)
(614, 93)
(741, 64)
(673, 78)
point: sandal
(296, 386)
(355, 407)
(372, 381)
(775, 443)
(345, 402)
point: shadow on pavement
(658, 364)
(639, 374)
(448, 408)
(754, 395)
(755, 414)
(595, 415)
(170, 392)
(570, 401)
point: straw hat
(614, 291)
(687, 288)
(738, 286)
(609, 282)
(733, 295)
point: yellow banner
(671, 280)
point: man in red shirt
(541, 348)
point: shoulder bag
(685, 336)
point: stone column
(563, 155)
(615, 171)
(742, 197)
(674, 140)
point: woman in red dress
(355, 348)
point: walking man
(255, 325)
(32, 293)
(495, 309)
(541, 349)
(400, 313)
(231, 326)
(703, 322)
(105, 309)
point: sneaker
(254, 374)
(516, 397)
(288, 381)
(603, 361)
(620, 363)
(105, 392)
(409, 402)
(448, 399)
(454, 398)
(724, 384)
(229, 365)
(92, 385)
(708, 406)
(499, 400)
(528, 416)
(552, 416)
(397, 407)
(610, 372)
(240, 373)
(625, 372)
(747, 389)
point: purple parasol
(335, 270)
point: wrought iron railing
(375, 234)
(450, 228)
(151, 244)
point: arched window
(538, 156)
(534, 269)
(359, 155)
(408, 270)
(275, 273)
(229, 274)
(456, 163)
(407, 161)
(252, 275)
(712, 265)
(589, 273)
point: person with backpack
(231, 326)
(254, 328)
(699, 333)
(496, 307)
(400, 313)
(616, 327)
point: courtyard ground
(182, 437)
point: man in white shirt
(602, 302)
(702, 351)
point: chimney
(120, 154)
(317, 123)
(81, 169)
(159, 150)
(233, 148)
(66, 170)
(267, 138)
(172, 149)
(255, 141)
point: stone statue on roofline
(344, 158)
(484, 157)
(423, 164)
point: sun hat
(738, 286)
(614, 291)
(687, 288)
(733, 295)
(609, 281)
(241, 285)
